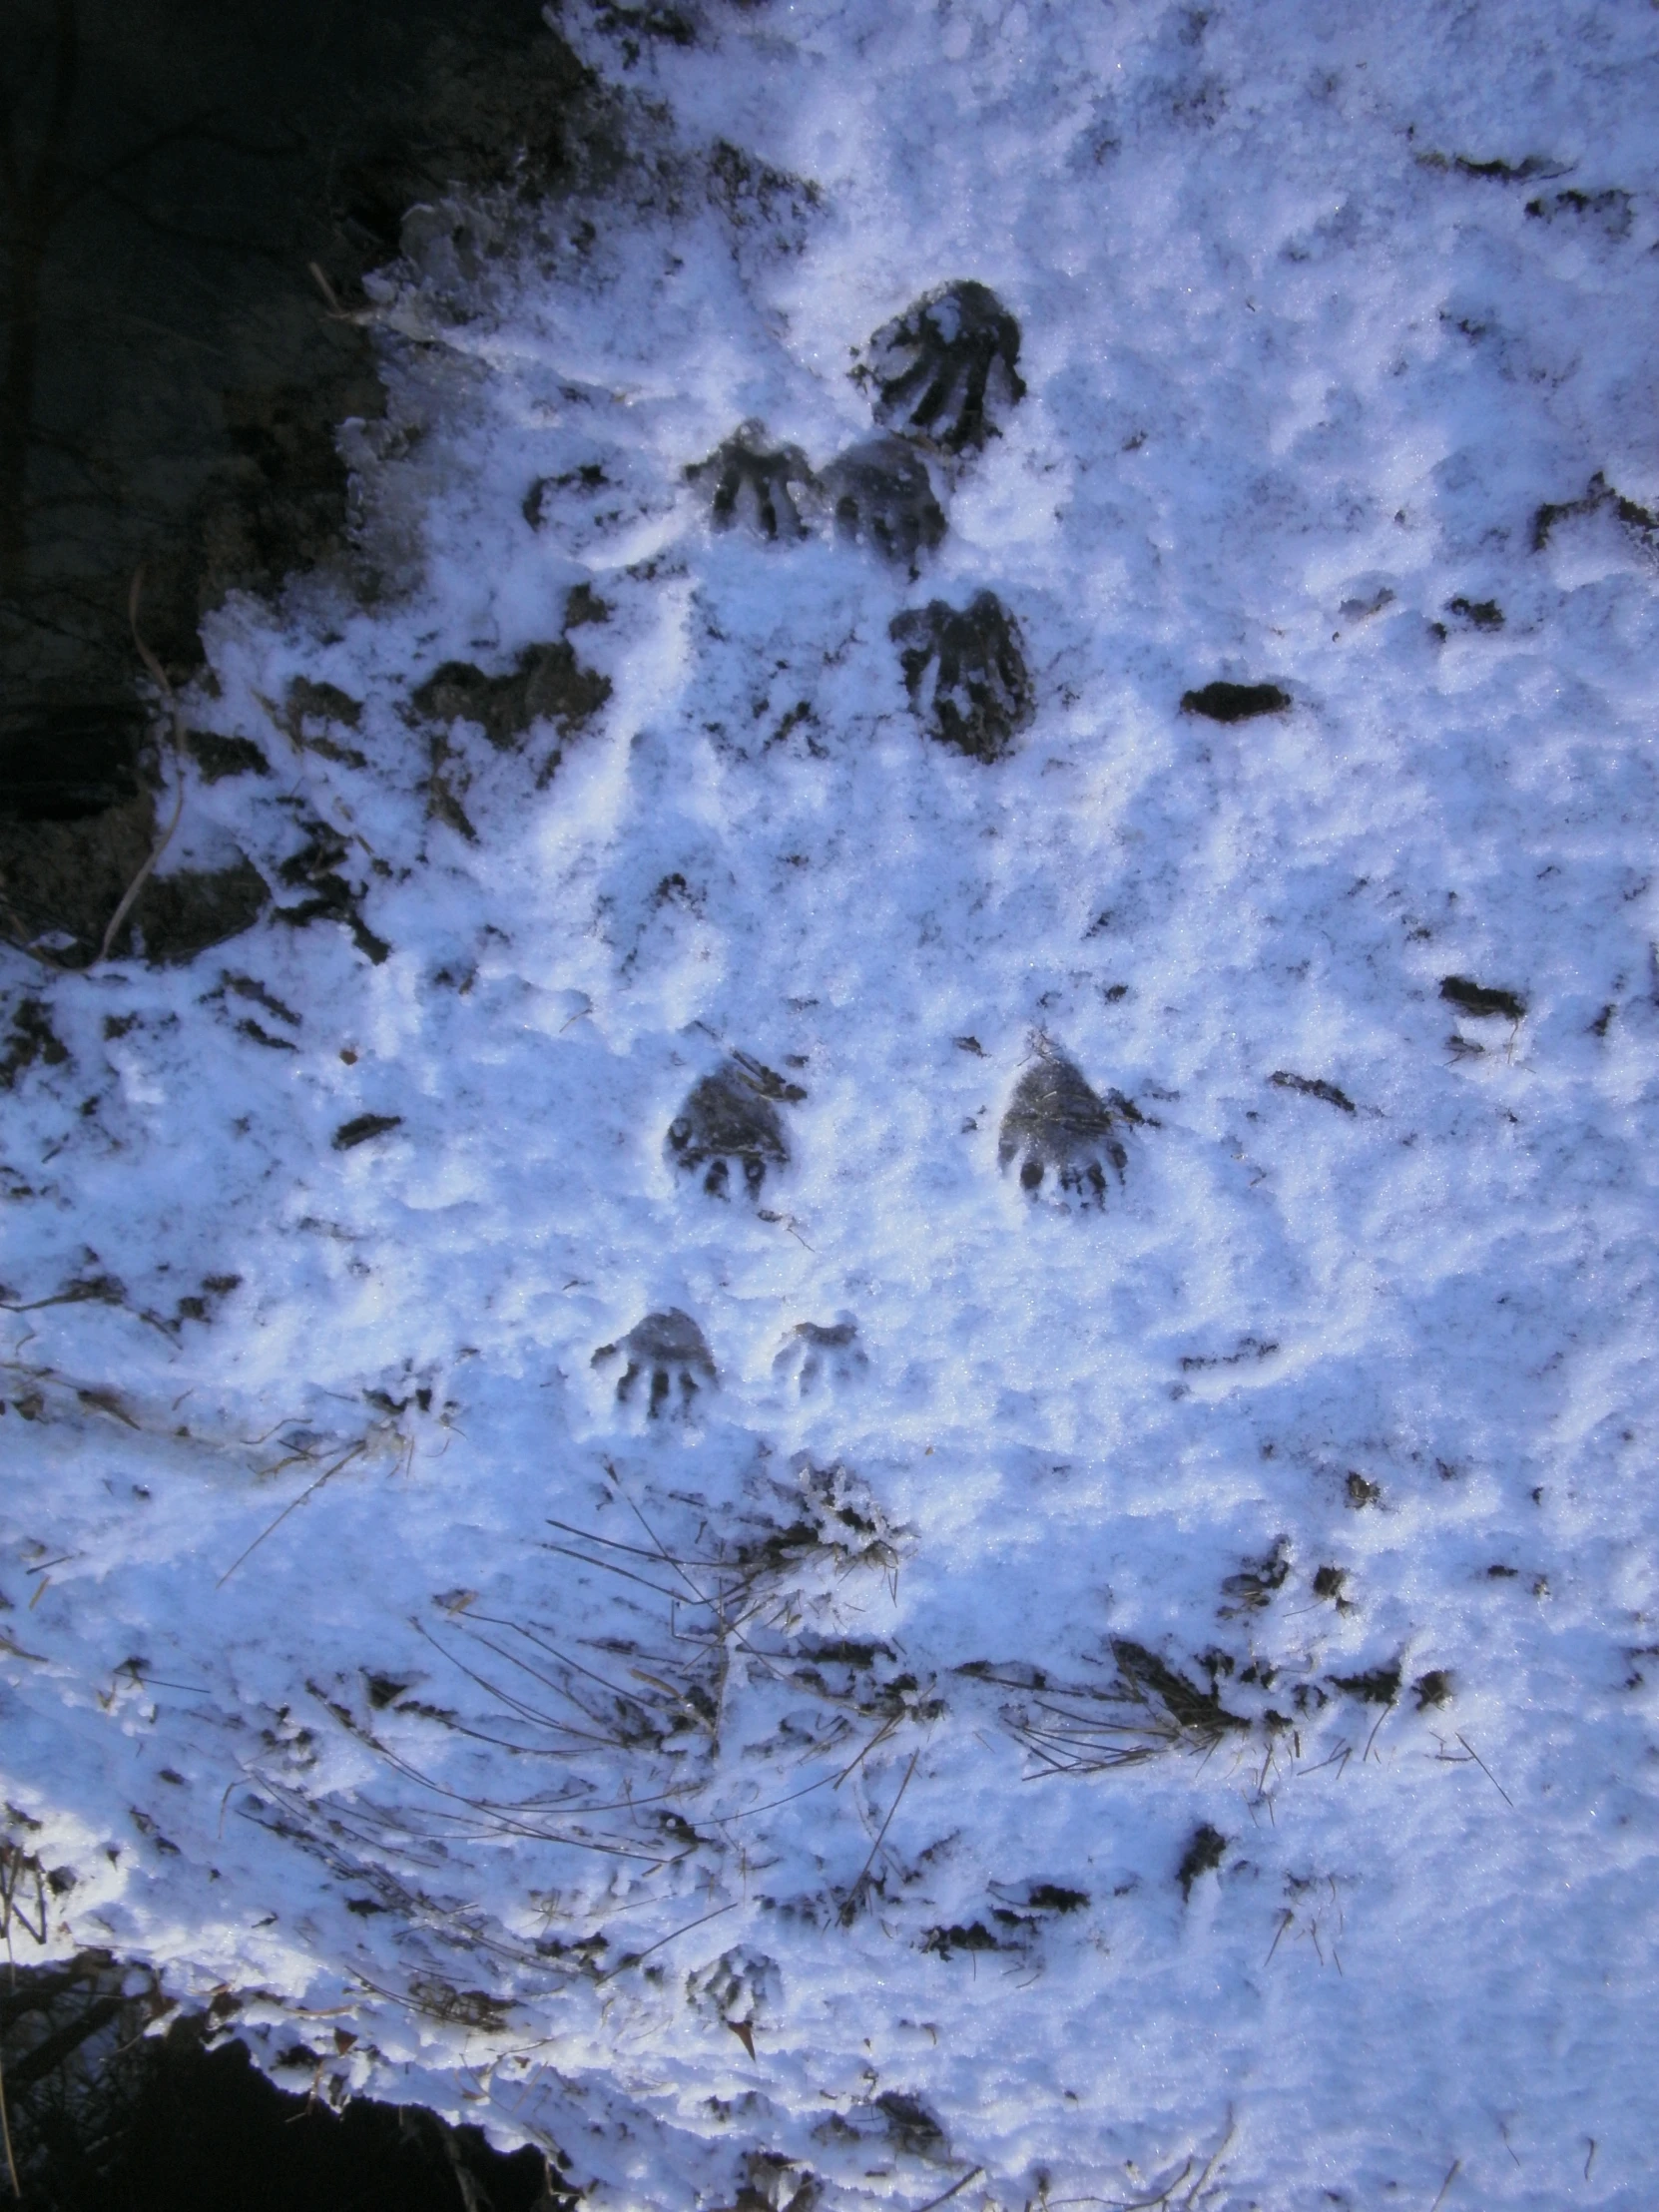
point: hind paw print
(672, 1351)
(933, 365)
(882, 498)
(1055, 1120)
(755, 484)
(817, 1352)
(965, 673)
(729, 1117)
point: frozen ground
(1143, 1700)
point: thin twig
(634, 1957)
(945, 2196)
(1456, 2169)
(166, 838)
(1486, 1770)
(851, 1906)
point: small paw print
(933, 365)
(672, 1351)
(1055, 1120)
(820, 1353)
(740, 1990)
(755, 484)
(965, 673)
(731, 1116)
(882, 498)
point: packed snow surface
(587, 1538)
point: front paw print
(755, 484)
(965, 673)
(820, 1353)
(883, 498)
(1055, 1120)
(933, 365)
(730, 1117)
(672, 1351)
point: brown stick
(166, 838)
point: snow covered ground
(1124, 1694)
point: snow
(366, 1657)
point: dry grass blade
(956, 2187)
(293, 1506)
(14, 1866)
(1148, 1711)
(853, 1897)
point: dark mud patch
(177, 916)
(77, 824)
(1224, 702)
(32, 1040)
(218, 757)
(547, 684)
(1484, 1001)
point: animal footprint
(729, 1116)
(672, 1350)
(740, 1990)
(965, 673)
(821, 1352)
(1054, 1120)
(932, 364)
(752, 482)
(883, 498)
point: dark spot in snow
(363, 1126)
(1481, 1000)
(1202, 1853)
(1313, 1086)
(1481, 614)
(1380, 1686)
(1223, 701)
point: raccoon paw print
(933, 365)
(965, 673)
(1054, 1120)
(819, 1353)
(731, 1116)
(671, 1350)
(754, 483)
(882, 498)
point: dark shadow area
(107, 2118)
(183, 187)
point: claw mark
(729, 1116)
(672, 1349)
(883, 498)
(1055, 1120)
(965, 673)
(753, 480)
(820, 1351)
(932, 364)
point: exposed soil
(178, 399)
(105, 2118)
